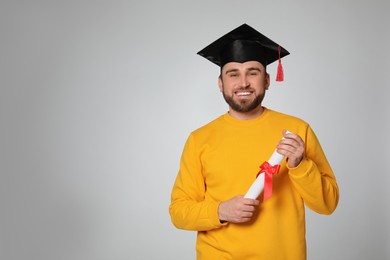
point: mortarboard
(245, 44)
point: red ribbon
(269, 171)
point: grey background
(98, 97)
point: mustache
(244, 88)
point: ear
(267, 81)
(220, 83)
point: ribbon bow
(269, 171)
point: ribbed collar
(245, 123)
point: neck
(246, 115)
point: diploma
(264, 177)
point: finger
(248, 209)
(288, 148)
(246, 216)
(285, 149)
(251, 202)
(289, 135)
(291, 145)
(241, 220)
(293, 141)
(290, 151)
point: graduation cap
(245, 44)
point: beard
(243, 106)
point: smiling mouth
(243, 93)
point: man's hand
(237, 209)
(293, 147)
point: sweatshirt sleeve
(314, 179)
(190, 209)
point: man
(221, 159)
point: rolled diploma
(258, 185)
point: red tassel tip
(280, 75)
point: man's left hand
(293, 147)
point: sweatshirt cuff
(214, 216)
(302, 172)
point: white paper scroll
(258, 185)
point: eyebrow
(254, 68)
(249, 69)
(231, 70)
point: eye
(233, 75)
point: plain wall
(98, 97)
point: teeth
(243, 93)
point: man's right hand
(237, 210)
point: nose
(244, 83)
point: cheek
(260, 84)
(224, 85)
(230, 83)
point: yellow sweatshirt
(221, 159)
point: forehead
(243, 66)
